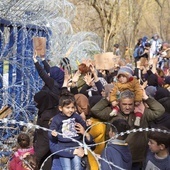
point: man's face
(126, 105)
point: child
(68, 152)
(126, 81)
(24, 149)
(158, 154)
(117, 151)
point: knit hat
(126, 70)
(57, 74)
(151, 91)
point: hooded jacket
(117, 152)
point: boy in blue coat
(117, 153)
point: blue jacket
(117, 152)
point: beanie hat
(57, 74)
(126, 70)
(151, 91)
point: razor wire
(20, 82)
(6, 146)
(53, 15)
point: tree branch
(158, 2)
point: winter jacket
(97, 131)
(117, 152)
(102, 110)
(16, 162)
(132, 85)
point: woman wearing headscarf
(46, 102)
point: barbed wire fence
(6, 146)
(20, 20)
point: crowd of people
(89, 112)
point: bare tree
(108, 11)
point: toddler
(126, 80)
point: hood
(165, 103)
(125, 154)
(161, 93)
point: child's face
(111, 133)
(68, 110)
(153, 146)
(122, 78)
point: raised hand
(88, 79)
(76, 76)
(35, 56)
(67, 77)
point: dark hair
(116, 45)
(120, 125)
(147, 44)
(30, 161)
(23, 140)
(66, 98)
(160, 137)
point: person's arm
(44, 76)
(84, 89)
(155, 109)
(99, 86)
(101, 110)
(138, 91)
(46, 65)
(88, 138)
(113, 93)
(74, 88)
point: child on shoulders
(126, 81)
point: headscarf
(57, 74)
(82, 103)
(44, 101)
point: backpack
(138, 51)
